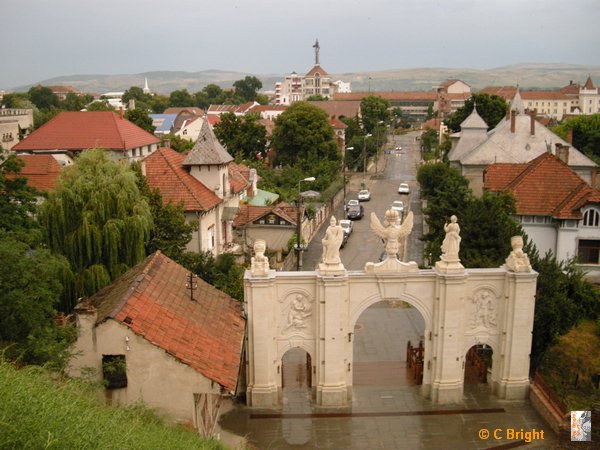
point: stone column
(520, 305)
(262, 310)
(447, 382)
(332, 342)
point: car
(399, 148)
(355, 211)
(353, 203)
(364, 195)
(403, 188)
(346, 226)
(344, 240)
(398, 205)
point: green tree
(100, 105)
(159, 103)
(178, 143)
(491, 108)
(429, 144)
(31, 281)
(42, 116)
(247, 88)
(374, 109)
(98, 219)
(142, 100)
(302, 134)
(586, 134)
(141, 118)
(181, 98)
(75, 102)
(43, 97)
(17, 100)
(17, 199)
(244, 137)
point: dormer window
(591, 218)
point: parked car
(364, 195)
(355, 211)
(398, 205)
(352, 203)
(403, 188)
(344, 240)
(346, 226)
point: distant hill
(528, 76)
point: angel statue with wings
(392, 232)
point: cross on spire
(317, 48)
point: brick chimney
(562, 152)
(121, 112)
(512, 121)
(532, 122)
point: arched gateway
(316, 312)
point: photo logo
(581, 425)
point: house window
(211, 237)
(114, 370)
(591, 218)
(589, 251)
(271, 219)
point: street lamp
(344, 171)
(299, 246)
(365, 157)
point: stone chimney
(570, 136)
(532, 122)
(121, 112)
(512, 121)
(562, 152)
(507, 113)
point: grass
(39, 412)
(568, 366)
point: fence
(549, 395)
(414, 361)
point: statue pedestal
(452, 266)
(332, 269)
(391, 265)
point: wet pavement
(387, 409)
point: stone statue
(392, 232)
(259, 264)
(518, 261)
(300, 309)
(332, 243)
(451, 244)
(485, 309)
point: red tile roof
(545, 186)
(83, 130)
(41, 171)
(250, 213)
(165, 171)
(316, 69)
(190, 109)
(508, 93)
(153, 301)
(238, 177)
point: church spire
(146, 89)
(317, 48)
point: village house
(14, 125)
(558, 210)
(41, 172)
(161, 336)
(209, 184)
(69, 133)
(518, 138)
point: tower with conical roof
(589, 98)
(146, 89)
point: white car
(346, 226)
(403, 188)
(364, 196)
(398, 205)
(353, 202)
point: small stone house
(151, 338)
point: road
(363, 245)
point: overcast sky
(41, 39)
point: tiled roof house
(208, 183)
(69, 133)
(519, 138)
(41, 171)
(173, 343)
(558, 210)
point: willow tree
(98, 219)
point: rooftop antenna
(192, 285)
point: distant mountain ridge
(528, 76)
